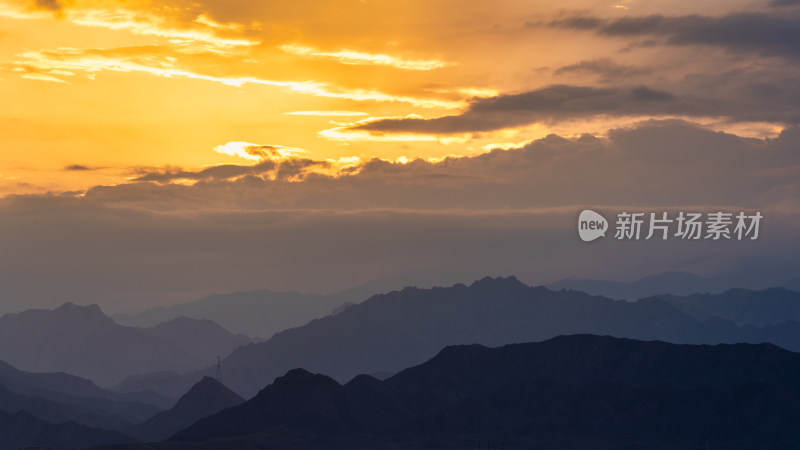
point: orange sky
(117, 88)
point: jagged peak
(457, 350)
(70, 306)
(498, 282)
(303, 377)
(204, 389)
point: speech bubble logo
(591, 225)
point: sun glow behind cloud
(85, 70)
(255, 152)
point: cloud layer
(508, 211)
(765, 34)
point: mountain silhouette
(792, 284)
(164, 383)
(59, 397)
(743, 306)
(391, 331)
(260, 313)
(676, 283)
(569, 392)
(202, 337)
(205, 398)
(81, 340)
(20, 430)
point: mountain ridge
(390, 331)
(615, 394)
(83, 341)
(206, 397)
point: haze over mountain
(259, 313)
(391, 331)
(201, 337)
(165, 383)
(205, 398)
(59, 397)
(82, 341)
(793, 284)
(675, 283)
(767, 307)
(569, 392)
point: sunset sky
(157, 151)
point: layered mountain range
(569, 392)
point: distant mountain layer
(570, 392)
(767, 307)
(674, 283)
(391, 331)
(22, 430)
(205, 398)
(82, 341)
(259, 313)
(59, 397)
(164, 383)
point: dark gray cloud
(220, 172)
(669, 162)
(553, 104)
(742, 94)
(77, 167)
(754, 32)
(783, 3)
(289, 168)
(605, 68)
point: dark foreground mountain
(392, 331)
(59, 397)
(20, 430)
(205, 398)
(81, 340)
(570, 392)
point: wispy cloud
(96, 60)
(42, 77)
(364, 58)
(137, 22)
(326, 113)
